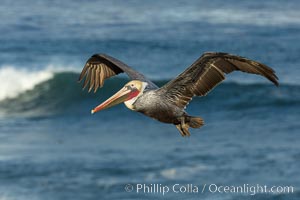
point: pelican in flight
(167, 104)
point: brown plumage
(167, 104)
(100, 67)
(207, 72)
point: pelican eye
(129, 87)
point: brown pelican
(167, 104)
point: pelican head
(128, 94)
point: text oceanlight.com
(162, 189)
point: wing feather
(207, 72)
(87, 79)
(102, 77)
(97, 78)
(100, 67)
(92, 79)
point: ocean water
(51, 147)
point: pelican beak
(125, 94)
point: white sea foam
(15, 81)
(183, 172)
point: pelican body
(167, 104)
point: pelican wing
(207, 72)
(100, 67)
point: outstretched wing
(100, 67)
(207, 72)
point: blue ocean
(52, 148)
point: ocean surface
(52, 148)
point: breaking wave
(49, 92)
(16, 81)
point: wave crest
(16, 81)
(47, 92)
